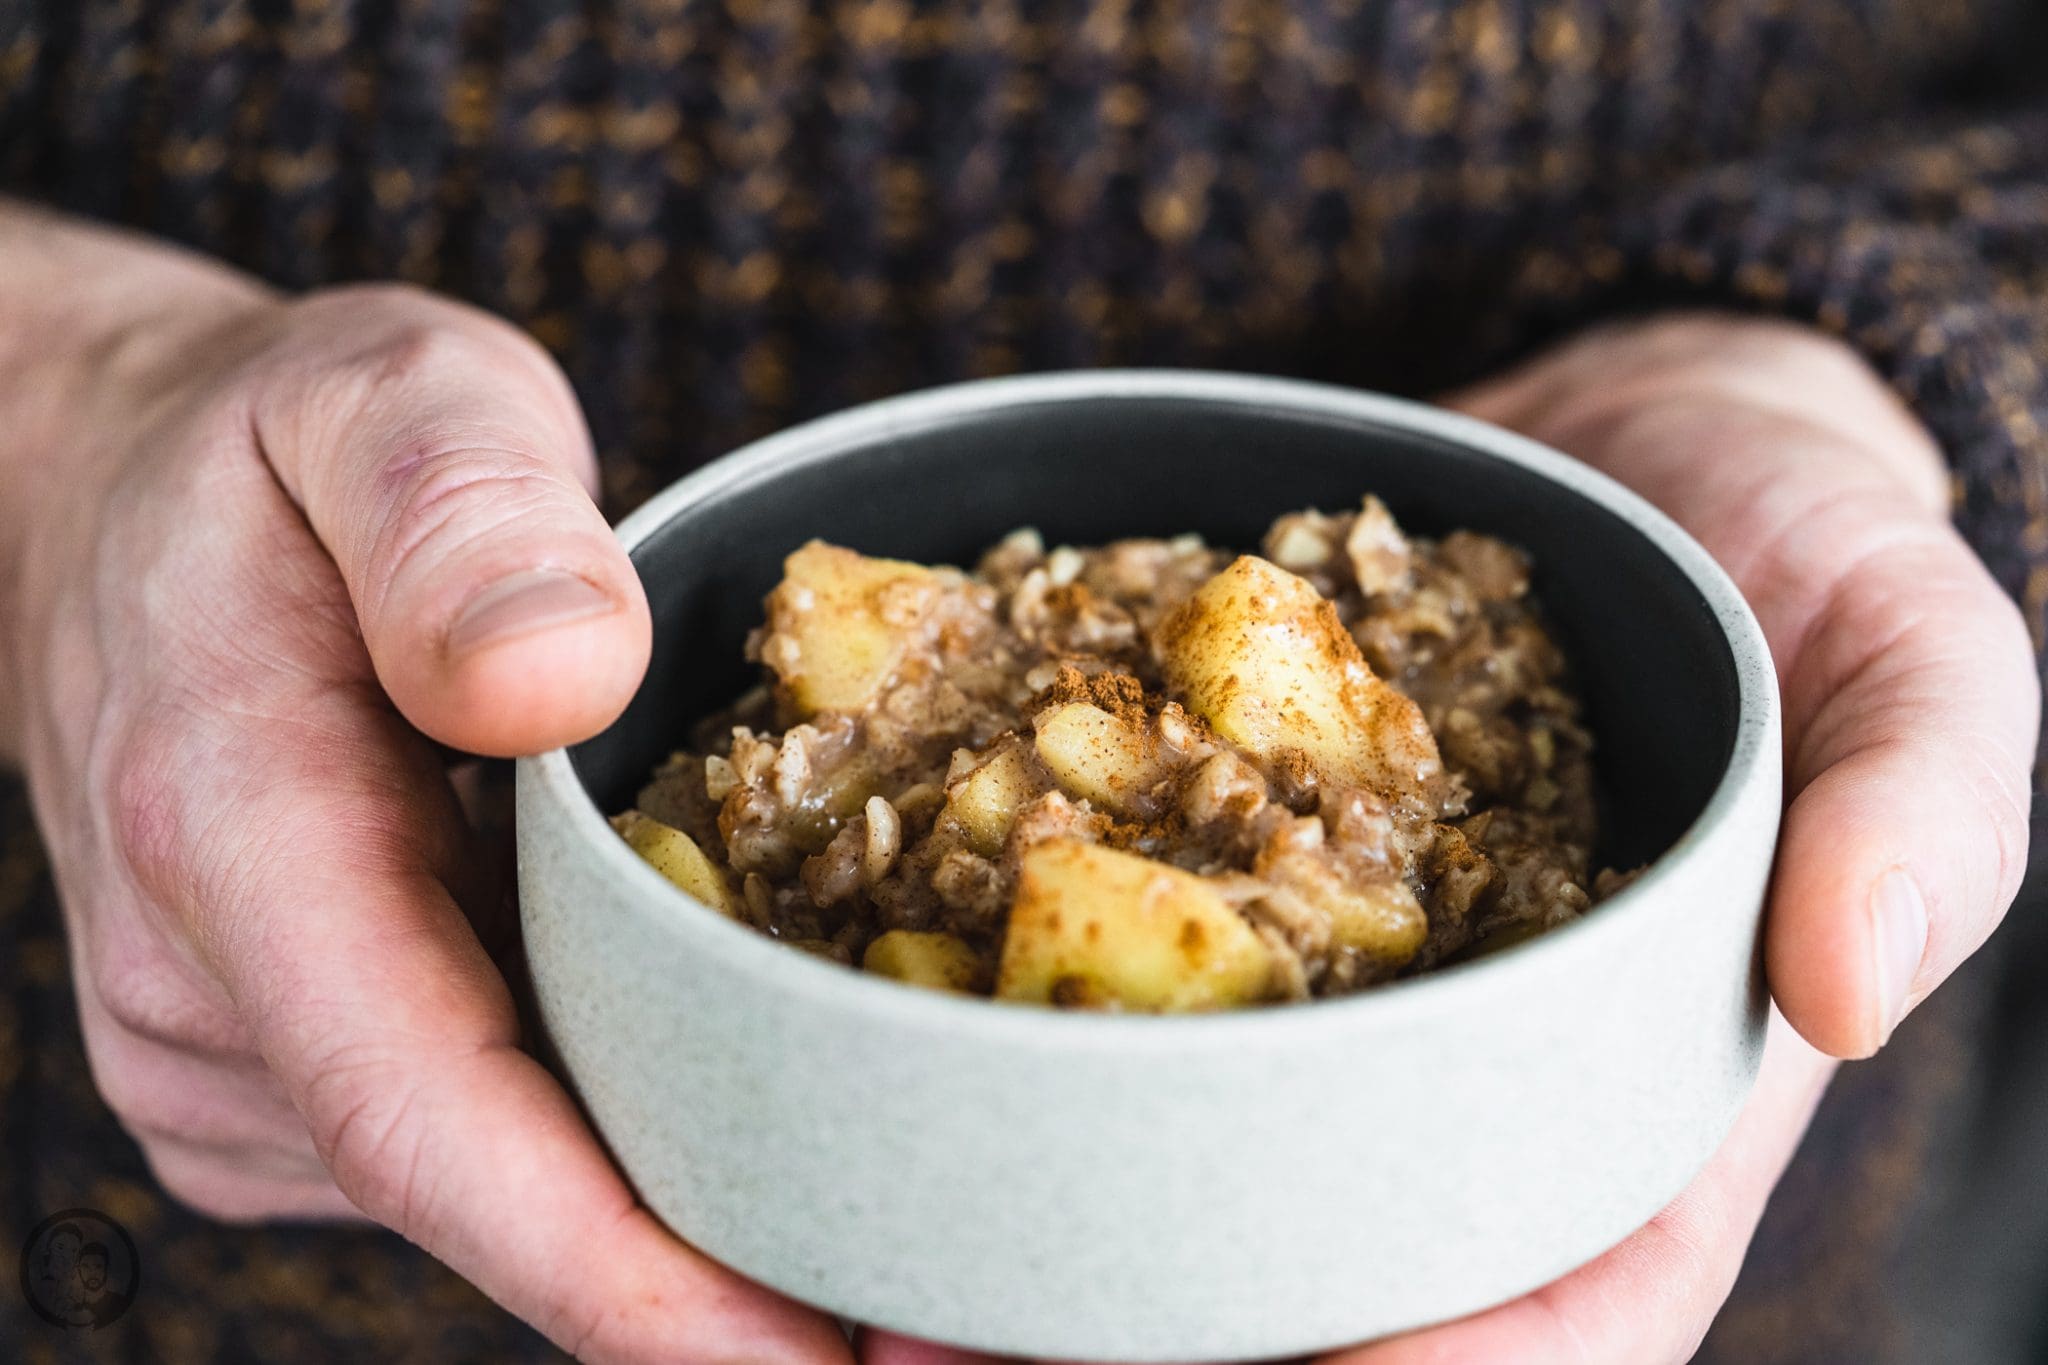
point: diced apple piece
(1095, 926)
(987, 800)
(675, 855)
(1261, 656)
(839, 623)
(1095, 755)
(941, 962)
(1381, 919)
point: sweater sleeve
(1925, 247)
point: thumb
(1912, 704)
(440, 457)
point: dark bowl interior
(1654, 666)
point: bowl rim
(1751, 774)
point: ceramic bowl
(1248, 1184)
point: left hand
(1911, 706)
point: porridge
(1151, 776)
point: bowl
(1239, 1185)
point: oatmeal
(1153, 775)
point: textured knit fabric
(726, 216)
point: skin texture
(238, 535)
(1911, 707)
(234, 584)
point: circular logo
(79, 1270)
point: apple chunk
(1380, 919)
(839, 624)
(1112, 763)
(940, 962)
(1261, 656)
(676, 856)
(986, 801)
(1097, 927)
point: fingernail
(1899, 914)
(533, 599)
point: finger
(442, 461)
(1911, 709)
(179, 1072)
(216, 1128)
(325, 916)
(887, 1348)
(1912, 702)
(232, 1186)
(162, 1093)
(1652, 1298)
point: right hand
(262, 546)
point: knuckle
(400, 355)
(213, 1186)
(371, 310)
(1843, 548)
(420, 347)
(2000, 787)
(365, 1128)
(390, 367)
(197, 791)
(163, 1057)
(407, 332)
(395, 297)
(2008, 642)
(128, 1094)
(362, 350)
(152, 999)
(170, 804)
(439, 484)
(148, 808)
(141, 1091)
(1902, 622)
(229, 1103)
(603, 1328)
(601, 1331)
(449, 500)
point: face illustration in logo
(92, 1269)
(60, 1259)
(79, 1270)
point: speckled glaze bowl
(1231, 1186)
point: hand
(1910, 707)
(255, 543)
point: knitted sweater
(724, 215)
